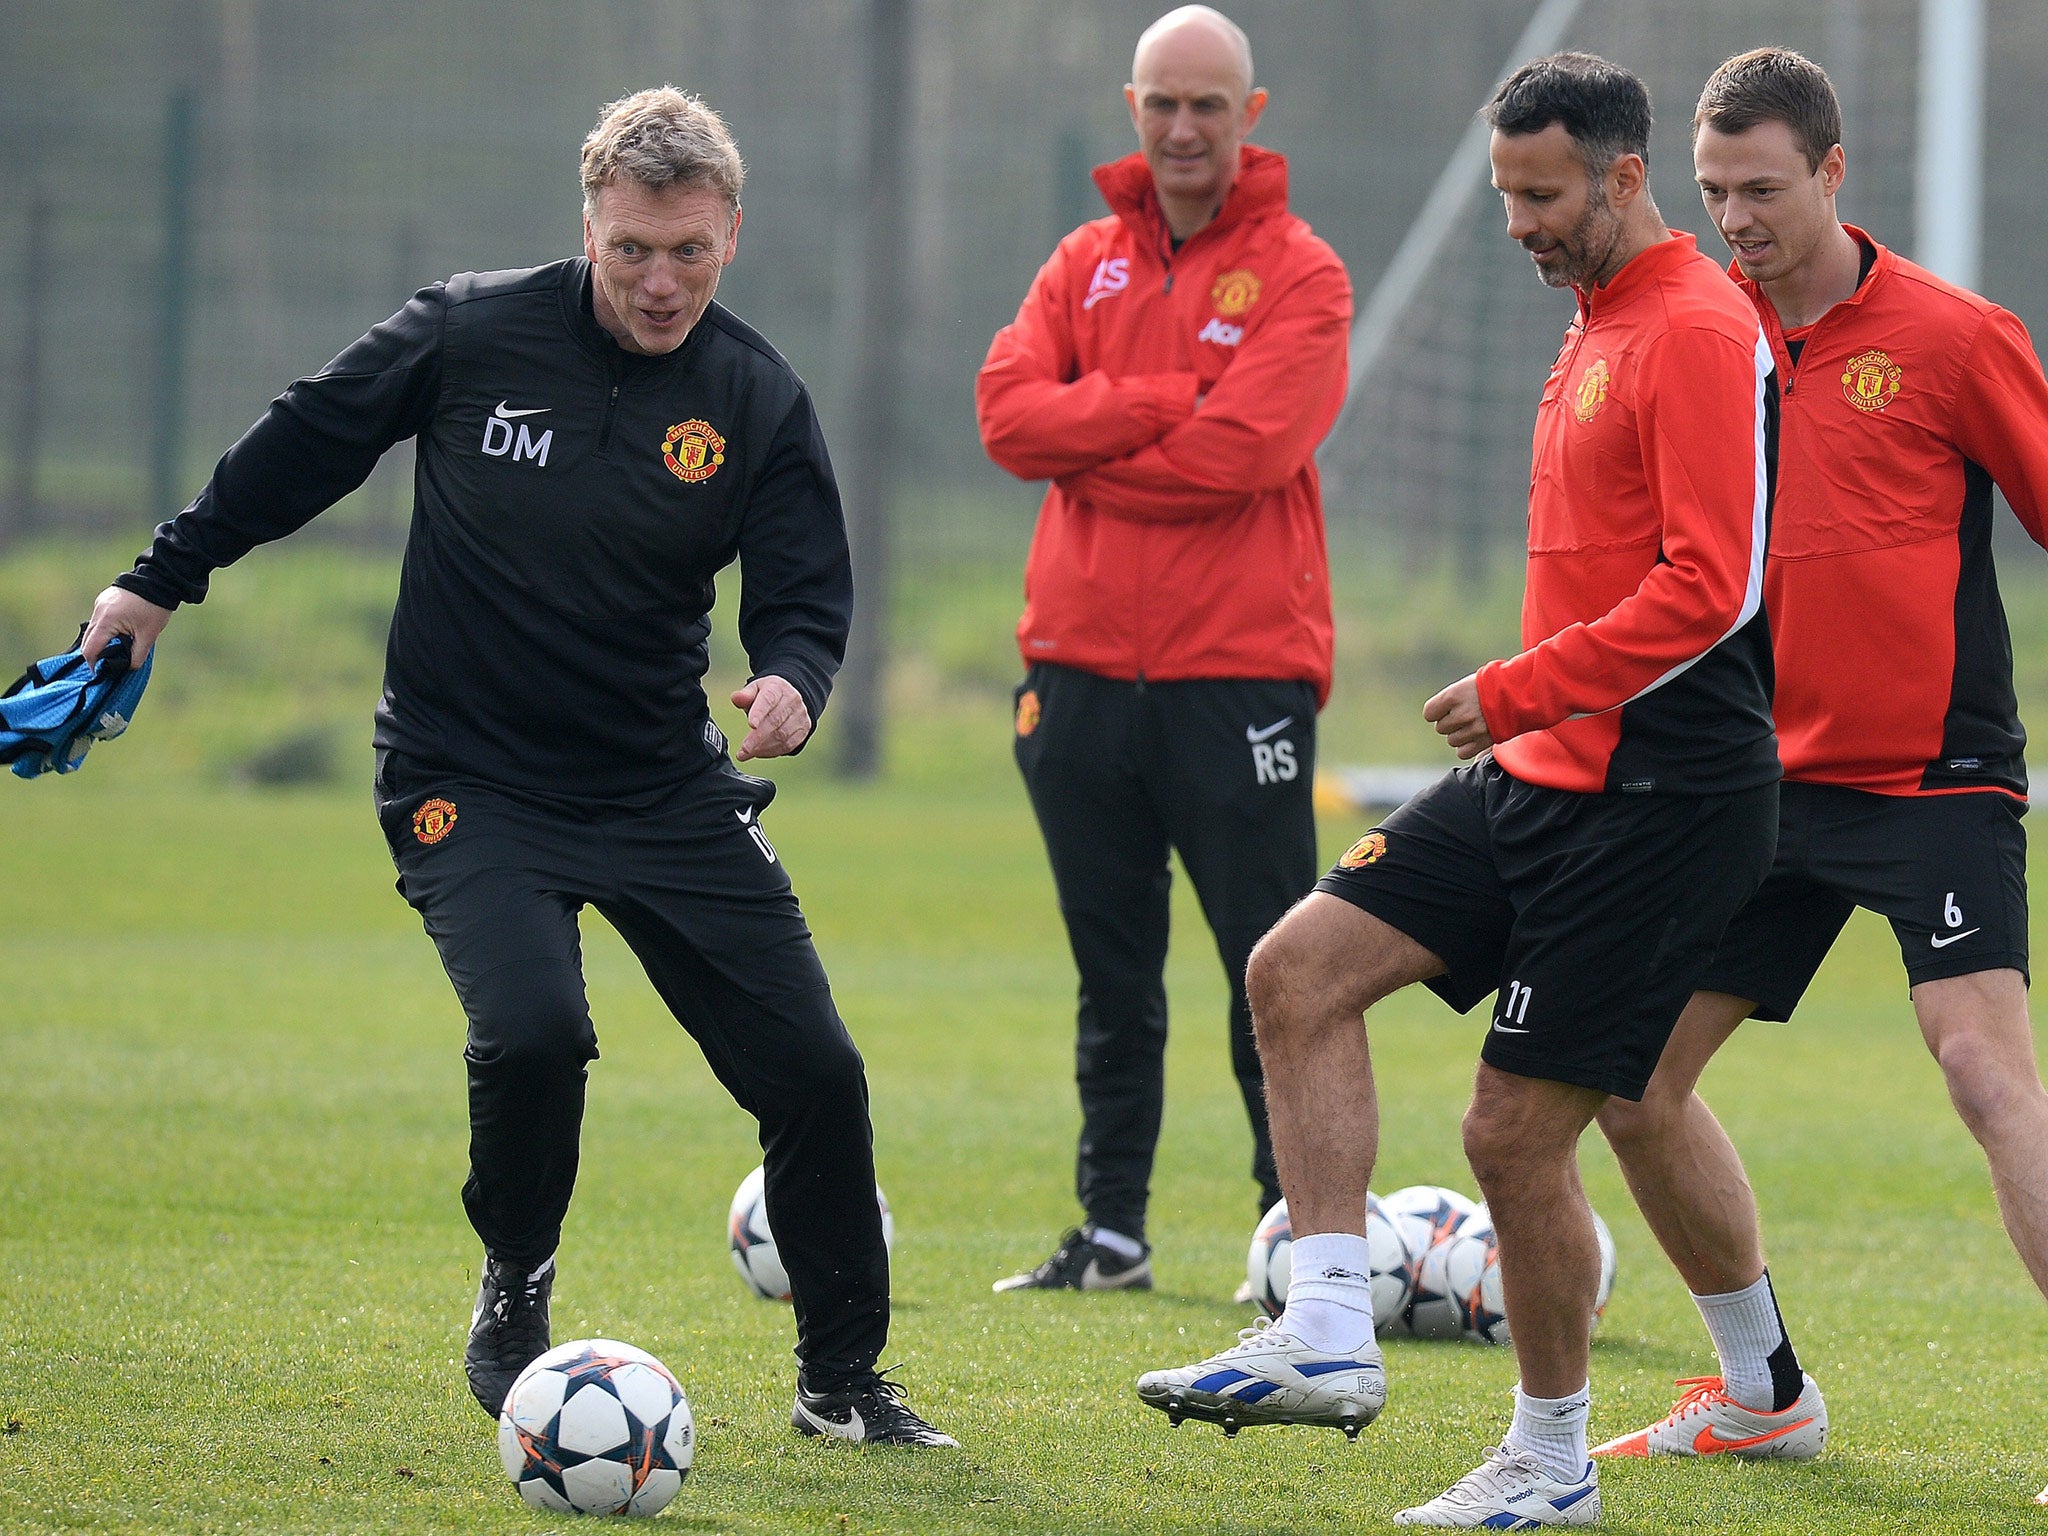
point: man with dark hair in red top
(1171, 371)
(1905, 400)
(1622, 806)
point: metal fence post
(28, 420)
(877, 381)
(174, 307)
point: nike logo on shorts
(1254, 735)
(1943, 943)
(746, 815)
(1507, 1029)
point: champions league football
(596, 1427)
(1435, 1265)
(1269, 1263)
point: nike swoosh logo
(1507, 1029)
(1940, 943)
(1253, 735)
(1706, 1442)
(504, 413)
(746, 816)
(850, 1428)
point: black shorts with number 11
(1593, 916)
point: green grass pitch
(234, 1272)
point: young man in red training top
(1905, 399)
(1171, 371)
(1622, 806)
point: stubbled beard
(1582, 264)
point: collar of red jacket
(1259, 191)
(1881, 267)
(1647, 266)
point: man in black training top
(596, 441)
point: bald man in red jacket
(1171, 372)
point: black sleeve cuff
(150, 589)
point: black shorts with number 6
(1950, 871)
(1592, 916)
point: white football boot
(1271, 1377)
(1708, 1422)
(1510, 1491)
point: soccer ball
(1270, 1262)
(1605, 1239)
(1471, 1277)
(1427, 1216)
(1471, 1272)
(597, 1428)
(753, 1245)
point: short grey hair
(661, 138)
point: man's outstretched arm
(318, 441)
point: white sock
(1123, 1247)
(1746, 1329)
(1553, 1430)
(1329, 1293)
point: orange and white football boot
(1708, 1422)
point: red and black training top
(1646, 666)
(1907, 401)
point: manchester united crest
(1234, 293)
(1366, 850)
(1027, 712)
(693, 450)
(1592, 391)
(1870, 382)
(434, 820)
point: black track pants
(692, 884)
(1221, 770)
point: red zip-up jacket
(1646, 666)
(1909, 400)
(1177, 540)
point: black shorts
(1950, 871)
(1592, 916)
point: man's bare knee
(1978, 1029)
(1980, 1083)
(1487, 1148)
(1265, 973)
(1518, 1128)
(1629, 1125)
(1656, 1117)
(1495, 1142)
(1325, 960)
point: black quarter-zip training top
(573, 503)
